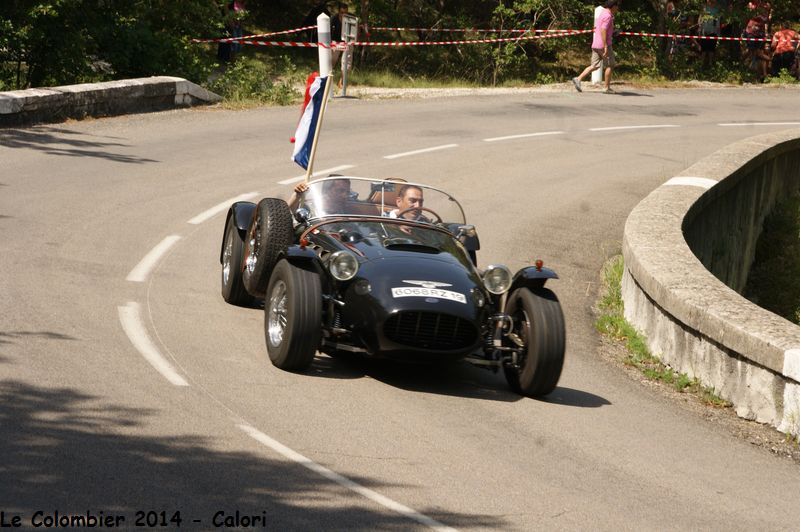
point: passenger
(335, 196)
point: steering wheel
(438, 219)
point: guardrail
(688, 249)
(55, 104)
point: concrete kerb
(695, 322)
(100, 99)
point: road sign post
(349, 34)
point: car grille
(430, 330)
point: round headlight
(497, 279)
(343, 265)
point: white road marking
(742, 124)
(701, 182)
(142, 270)
(131, 320)
(620, 128)
(524, 136)
(416, 152)
(216, 209)
(343, 481)
(316, 174)
(791, 364)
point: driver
(409, 197)
(335, 196)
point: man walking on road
(602, 51)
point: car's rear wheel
(293, 316)
(233, 291)
(539, 324)
(269, 236)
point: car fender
(532, 278)
(241, 213)
(297, 254)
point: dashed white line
(343, 481)
(216, 209)
(524, 135)
(317, 174)
(742, 124)
(417, 152)
(131, 320)
(621, 128)
(142, 270)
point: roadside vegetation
(611, 322)
(58, 42)
(774, 281)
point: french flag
(304, 136)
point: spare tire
(267, 240)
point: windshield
(392, 234)
(355, 196)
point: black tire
(269, 236)
(294, 294)
(233, 291)
(539, 322)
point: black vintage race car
(363, 275)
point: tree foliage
(52, 42)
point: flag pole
(325, 71)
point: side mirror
(466, 231)
(302, 214)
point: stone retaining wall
(688, 249)
(54, 104)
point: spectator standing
(602, 49)
(784, 47)
(757, 29)
(709, 27)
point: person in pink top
(602, 51)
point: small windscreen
(344, 196)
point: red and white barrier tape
(473, 30)
(700, 37)
(257, 36)
(542, 34)
(342, 46)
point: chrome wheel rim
(277, 314)
(523, 331)
(252, 246)
(226, 260)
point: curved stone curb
(100, 99)
(708, 219)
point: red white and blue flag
(304, 136)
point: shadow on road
(7, 337)
(570, 397)
(68, 451)
(631, 93)
(459, 379)
(58, 141)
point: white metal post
(325, 71)
(597, 75)
(324, 38)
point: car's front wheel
(293, 316)
(233, 291)
(269, 236)
(539, 324)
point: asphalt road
(87, 423)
